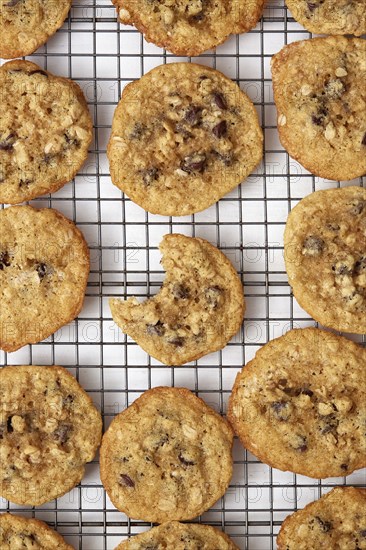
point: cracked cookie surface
(182, 137)
(189, 27)
(44, 268)
(49, 430)
(300, 404)
(325, 257)
(27, 24)
(45, 131)
(329, 17)
(336, 521)
(320, 93)
(198, 309)
(180, 536)
(20, 533)
(166, 457)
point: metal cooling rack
(93, 49)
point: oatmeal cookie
(325, 257)
(337, 521)
(183, 136)
(189, 27)
(49, 430)
(44, 268)
(45, 131)
(27, 24)
(166, 457)
(320, 93)
(198, 309)
(180, 536)
(18, 533)
(300, 404)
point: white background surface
(247, 225)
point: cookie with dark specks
(49, 430)
(319, 89)
(27, 24)
(20, 533)
(199, 308)
(183, 136)
(329, 17)
(44, 268)
(300, 404)
(325, 257)
(45, 131)
(189, 27)
(180, 536)
(337, 521)
(166, 457)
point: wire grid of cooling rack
(93, 49)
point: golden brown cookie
(300, 404)
(336, 521)
(325, 256)
(329, 17)
(49, 430)
(199, 308)
(189, 27)
(166, 457)
(183, 136)
(27, 24)
(18, 533)
(45, 131)
(44, 268)
(180, 536)
(320, 93)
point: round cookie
(180, 536)
(45, 131)
(336, 520)
(183, 136)
(300, 406)
(325, 257)
(189, 27)
(199, 308)
(27, 24)
(166, 457)
(49, 430)
(44, 268)
(17, 532)
(320, 93)
(329, 17)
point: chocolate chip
(149, 175)
(197, 17)
(360, 266)
(214, 295)
(302, 444)
(193, 115)
(38, 71)
(220, 130)
(137, 131)
(329, 423)
(4, 260)
(219, 101)
(344, 467)
(281, 410)
(291, 391)
(282, 382)
(24, 183)
(7, 143)
(313, 246)
(341, 269)
(325, 526)
(180, 291)
(306, 391)
(186, 462)
(126, 481)
(194, 163)
(62, 433)
(178, 341)
(225, 158)
(318, 118)
(363, 142)
(71, 141)
(41, 270)
(12, 3)
(68, 400)
(156, 330)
